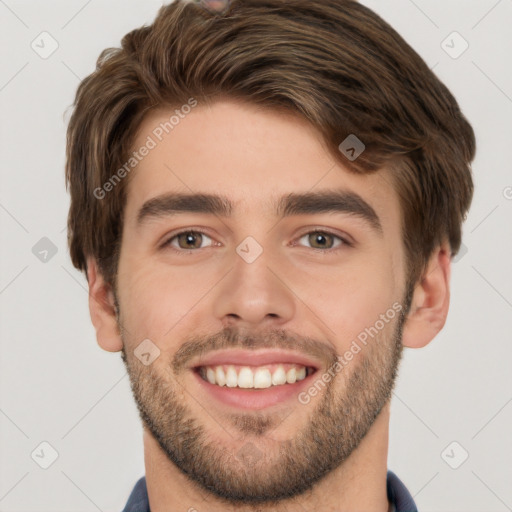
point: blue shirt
(398, 496)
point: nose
(254, 294)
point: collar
(400, 500)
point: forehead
(253, 156)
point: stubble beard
(265, 471)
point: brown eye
(323, 240)
(187, 240)
(320, 240)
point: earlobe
(430, 301)
(102, 309)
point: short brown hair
(333, 62)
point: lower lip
(254, 399)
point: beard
(267, 471)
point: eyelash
(344, 242)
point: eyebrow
(339, 201)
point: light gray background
(58, 386)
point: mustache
(231, 337)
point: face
(270, 282)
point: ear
(430, 301)
(102, 309)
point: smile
(254, 377)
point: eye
(190, 239)
(323, 240)
(193, 239)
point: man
(265, 199)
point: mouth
(254, 379)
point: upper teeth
(253, 377)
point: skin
(255, 156)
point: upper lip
(259, 357)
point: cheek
(156, 300)
(161, 302)
(351, 296)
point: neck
(358, 484)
